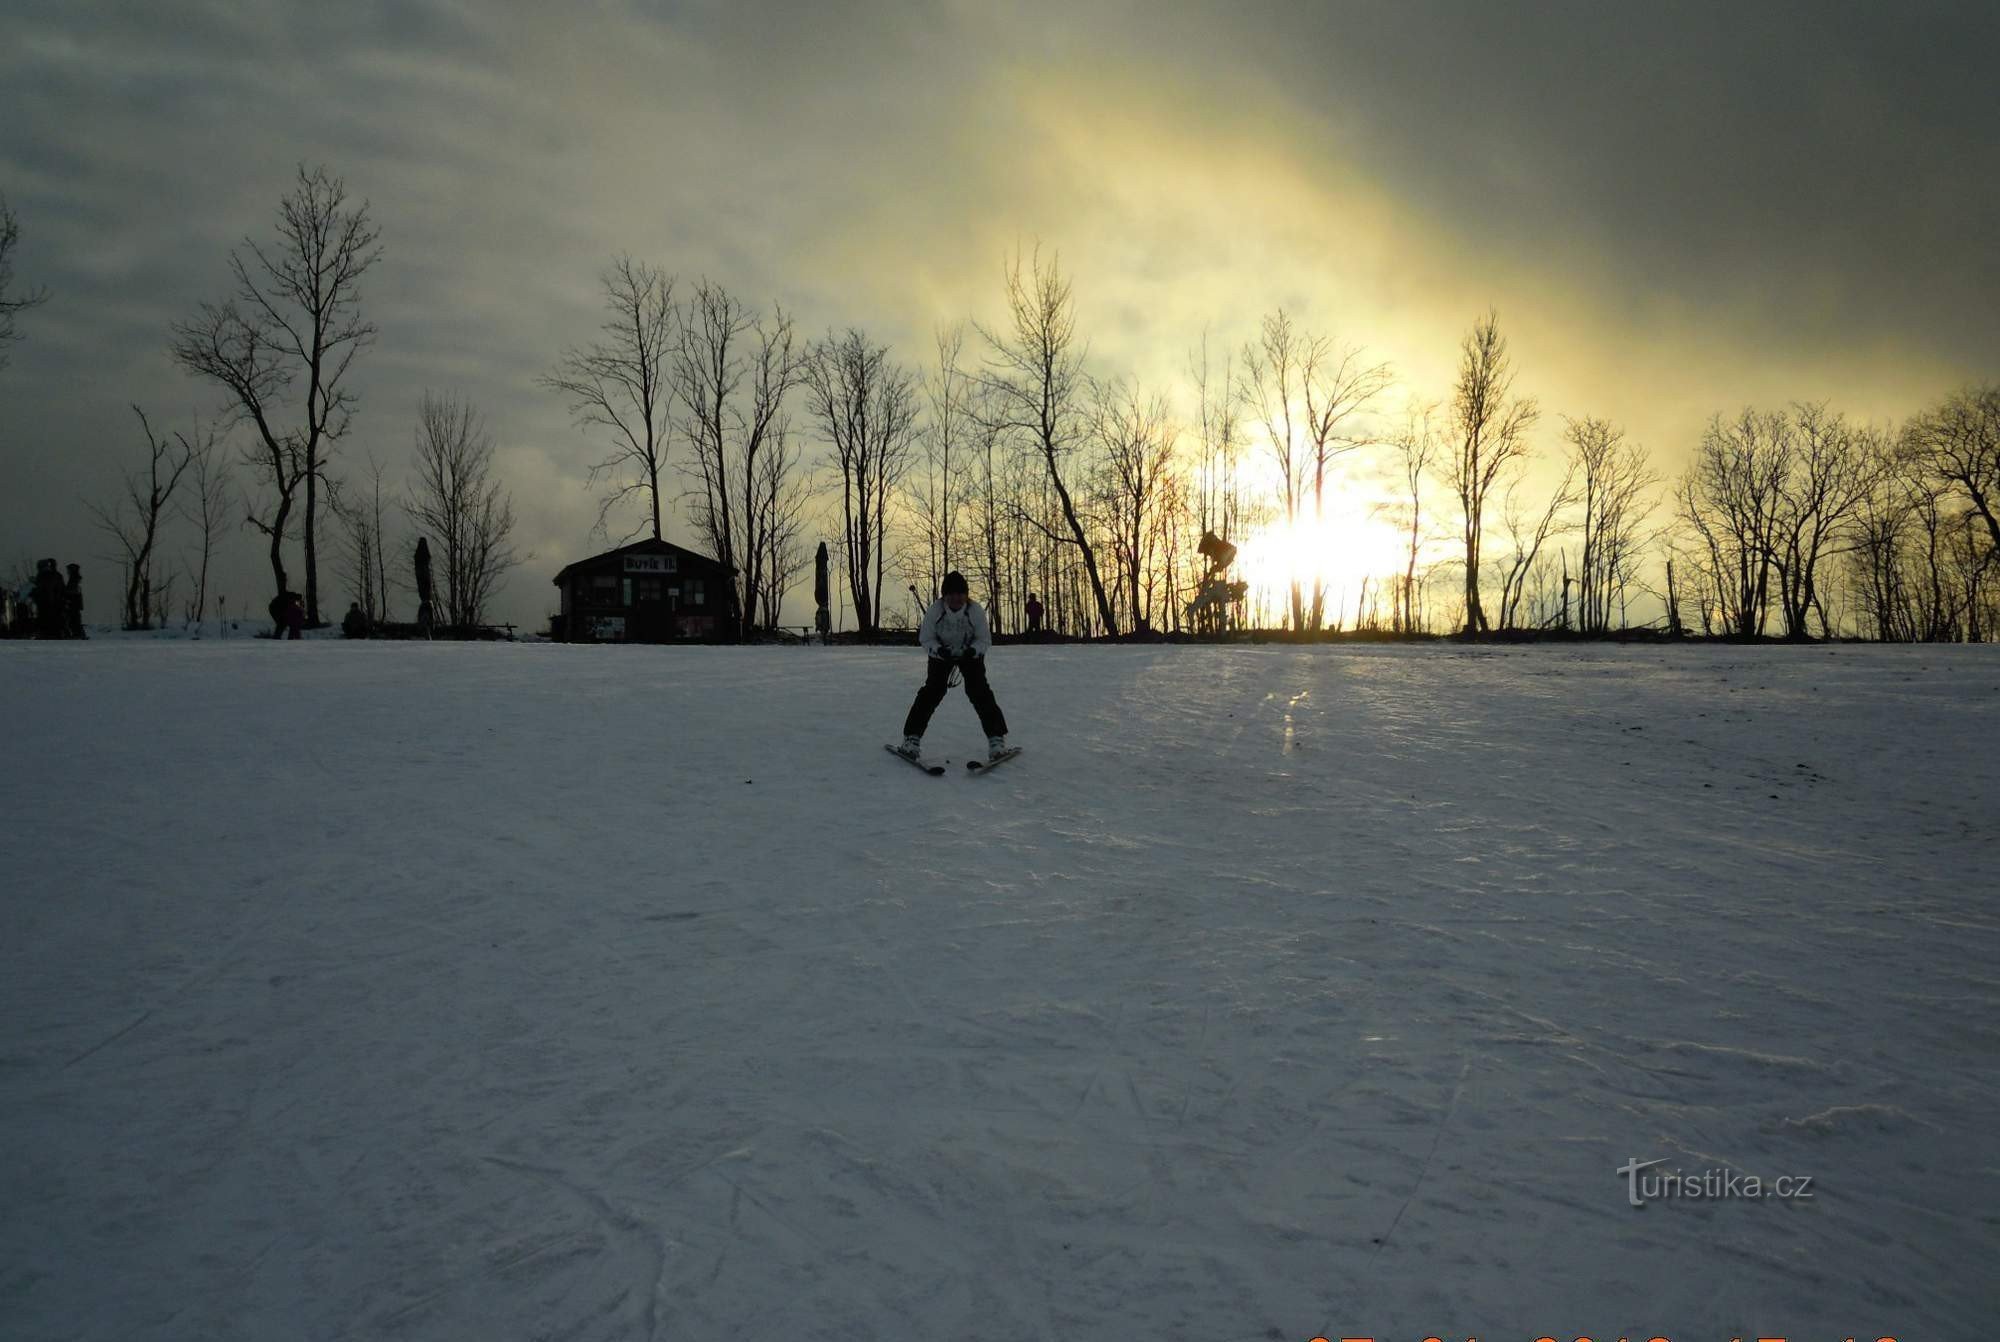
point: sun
(1351, 545)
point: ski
(984, 766)
(934, 770)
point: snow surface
(532, 991)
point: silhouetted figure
(1215, 594)
(956, 636)
(424, 615)
(822, 617)
(1034, 616)
(294, 615)
(73, 603)
(355, 624)
(425, 619)
(48, 600)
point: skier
(1034, 616)
(955, 635)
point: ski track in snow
(447, 991)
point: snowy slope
(510, 991)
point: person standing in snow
(48, 599)
(73, 604)
(956, 636)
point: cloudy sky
(1677, 209)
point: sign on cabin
(650, 564)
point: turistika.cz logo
(1724, 1185)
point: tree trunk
(312, 545)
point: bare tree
(295, 319)
(773, 491)
(1173, 542)
(1490, 428)
(163, 600)
(1936, 605)
(1338, 386)
(1730, 498)
(992, 524)
(1826, 476)
(379, 530)
(733, 392)
(12, 303)
(207, 508)
(1876, 557)
(1218, 497)
(1306, 392)
(933, 493)
(1218, 503)
(1921, 563)
(707, 372)
(456, 500)
(785, 493)
(1616, 495)
(866, 404)
(363, 547)
(1528, 540)
(1671, 596)
(1975, 567)
(1034, 377)
(1959, 444)
(1136, 439)
(134, 521)
(1416, 446)
(1273, 368)
(621, 383)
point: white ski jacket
(953, 633)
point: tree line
(1006, 456)
(1006, 453)
(280, 348)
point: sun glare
(1350, 546)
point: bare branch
(622, 383)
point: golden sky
(1675, 210)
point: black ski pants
(976, 689)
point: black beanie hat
(954, 581)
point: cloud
(1675, 209)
